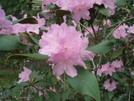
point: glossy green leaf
(61, 13)
(117, 53)
(65, 95)
(103, 47)
(25, 56)
(41, 84)
(104, 11)
(53, 96)
(10, 42)
(85, 82)
(33, 75)
(120, 2)
(30, 38)
(29, 20)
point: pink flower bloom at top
(109, 3)
(81, 11)
(110, 85)
(66, 49)
(24, 76)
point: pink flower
(110, 85)
(117, 64)
(132, 73)
(106, 69)
(66, 48)
(90, 30)
(120, 32)
(24, 76)
(2, 13)
(107, 22)
(109, 3)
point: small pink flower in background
(106, 69)
(107, 22)
(120, 32)
(110, 84)
(24, 76)
(96, 28)
(117, 64)
(132, 73)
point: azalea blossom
(120, 32)
(66, 48)
(110, 84)
(24, 76)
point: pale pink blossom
(2, 13)
(107, 22)
(91, 30)
(110, 84)
(120, 32)
(24, 76)
(66, 49)
(109, 3)
(132, 73)
(106, 69)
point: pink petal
(59, 69)
(70, 70)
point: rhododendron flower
(106, 69)
(107, 22)
(2, 13)
(120, 32)
(24, 76)
(132, 73)
(110, 85)
(109, 3)
(90, 30)
(5, 25)
(66, 48)
(117, 64)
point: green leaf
(104, 11)
(10, 42)
(33, 75)
(39, 77)
(30, 38)
(53, 96)
(65, 95)
(103, 47)
(120, 2)
(86, 83)
(61, 13)
(29, 20)
(41, 84)
(25, 56)
(117, 53)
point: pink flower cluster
(120, 32)
(66, 48)
(80, 9)
(24, 76)
(110, 68)
(17, 28)
(110, 85)
(5, 25)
